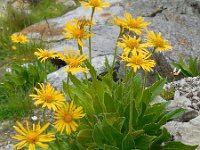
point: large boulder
(178, 20)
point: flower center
(68, 118)
(48, 97)
(134, 24)
(32, 137)
(159, 42)
(137, 60)
(95, 3)
(78, 33)
(132, 44)
(73, 63)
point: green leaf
(156, 88)
(98, 137)
(128, 142)
(164, 136)
(109, 147)
(193, 66)
(109, 103)
(113, 136)
(144, 142)
(114, 120)
(171, 115)
(85, 136)
(178, 146)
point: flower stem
(131, 117)
(115, 50)
(90, 40)
(80, 48)
(145, 80)
(68, 87)
(43, 115)
(45, 70)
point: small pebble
(189, 95)
(187, 116)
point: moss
(168, 94)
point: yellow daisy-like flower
(139, 60)
(14, 38)
(19, 38)
(32, 137)
(119, 22)
(75, 32)
(66, 116)
(135, 24)
(156, 41)
(48, 97)
(132, 44)
(44, 54)
(73, 60)
(83, 22)
(96, 4)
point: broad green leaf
(128, 142)
(85, 136)
(174, 145)
(98, 137)
(144, 142)
(109, 103)
(109, 147)
(156, 88)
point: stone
(69, 4)
(198, 94)
(186, 132)
(178, 20)
(190, 95)
(187, 116)
(179, 102)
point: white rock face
(187, 132)
(179, 102)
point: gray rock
(187, 116)
(70, 4)
(178, 20)
(187, 132)
(179, 102)
(190, 95)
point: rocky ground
(187, 96)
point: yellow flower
(95, 4)
(14, 47)
(19, 38)
(118, 21)
(157, 42)
(75, 32)
(43, 54)
(83, 22)
(132, 44)
(14, 38)
(32, 137)
(48, 97)
(66, 116)
(74, 61)
(139, 60)
(135, 24)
